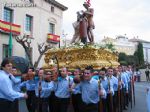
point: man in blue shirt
(7, 94)
(90, 92)
(15, 82)
(43, 90)
(62, 89)
(30, 87)
(76, 93)
(124, 87)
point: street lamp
(64, 38)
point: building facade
(40, 19)
(129, 46)
(146, 48)
(121, 44)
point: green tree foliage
(122, 58)
(110, 46)
(132, 60)
(139, 54)
(127, 59)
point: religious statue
(84, 25)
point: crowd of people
(105, 90)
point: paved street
(140, 92)
(140, 95)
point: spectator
(147, 74)
(138, 74)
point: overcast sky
(112, 17)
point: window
(8, 15)
(52, 9)
(28, 23)
(52, 28)
(5, 50)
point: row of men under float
(104, 90)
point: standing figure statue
(80, 28)
(89, 15)
(84, 25)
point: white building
(129, 46)
(146, 48)
(38, 18)
(121, 44)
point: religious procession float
(82, 51)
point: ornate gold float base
(81, 57)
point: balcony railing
(53, 38)
(8, 27)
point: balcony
(51, 38)
(8, 27)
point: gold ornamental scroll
(81, 57)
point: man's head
(64, 72)
(31, 72)
(116, 70)
(40, 72)
(77, 71)
(120, 69)
(102, 72)
(87, 73)
(14, 71)
(7, 65)
(110, 71)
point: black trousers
(76, 102)
(15, 106)
(42, 104)
(89, 107)
(109, 100)
(61, 104)
(147, 77)
(5, 105)
(31, 101)
(51, 102)
(115, 101)
(125, 98)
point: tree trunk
(38, 60)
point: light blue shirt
(29, 84)
(125, 80)
(96, 77)
(6, 89)
(127, 76)
(61, 87)
(16, 81)
(106, 86)
(90, 91)
(115, 83)
(76, 89)
(47, 87)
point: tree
(110, 46)
(139, 54)
(132, 60)
(25, 41)
(122, 58)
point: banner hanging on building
(53, 38)
(5, 27)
